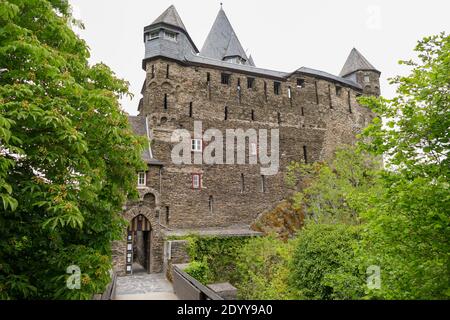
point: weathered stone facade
(313, 111)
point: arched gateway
(142, 247)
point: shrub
(200, 271)
(263, 269)
(324, 265)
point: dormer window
(153, 35)
(170, 35)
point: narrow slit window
(305, 154)
(265, 90)
(279, 117)
(338, 90)
(263, 183)
(208, 77)
(226, 113)
(167, 71)
(153, 71)
(349, 102)
(253, 115)
(317, 92)
(329, 97)
(211, 204)
(167, 215)
(190, 110)
(289, 93)
(165, 101)
(303, 111)
(242, 183)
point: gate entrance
(138, 245)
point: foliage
(67, 158)
(321, 254)
(200, 271)
(338, 191)
(407, 232)
(263, 268)
(219, 253)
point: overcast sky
(282, 35)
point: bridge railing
(188, 288)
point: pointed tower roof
(222, 41)
(171, 17)
(355, 62)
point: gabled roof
(222, 41)
(171, 17)
(355, 62)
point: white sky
(281, 35)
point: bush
(324, 265)
(200, 271)
(219, 253)
(263, 269)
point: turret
(358, 69)
(167, 37)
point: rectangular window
(338, 90)
(250, 83)
(208, 77)
(225, 78)
(366, 79)
(300, 83)
(265, 90)
(197, 181)
(289, 93)
(263, 183)
(211, 204)
(242, 183)
(349, 100)
(226, 113)
(170, 35)
(153, 71)
(190, 110)
(305, 155)
(167, 215)
(165, 101)
(141, 179)
(253, 115)
(317, 92)
(276, 87)
(196, 145)
(167, 71)
(153, 35)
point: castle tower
(167, 37)
(358, 69)
(223, 44)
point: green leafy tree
(67, 156)
(338, 191)
(407, 232)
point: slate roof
(170, 16)
(356, 61)
(327, 75)
(139, 128)
(222, 41)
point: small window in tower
(226, 113)
(242, 183)
(289, 93)
(366, 79)
(338, 90)
(197, 181)
(190, 110)
(153, 71)
(276, 87)
(225, 79)
(253, 115)
(263, 183)
(305, 155)
(211, 204)
(239, 84)
(196, 145)
(208, 77)
(141, 179)
(300, 83)
(153, 35)
(165, 101)
(279, 117)
(250, 83)
(170, 35)
(167, 215)
(167, 71)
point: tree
(68, 156)
(407, 232)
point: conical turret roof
(222, 41)
(171, 17)
(356, 61)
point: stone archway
(148, 209)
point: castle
(222, 87)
